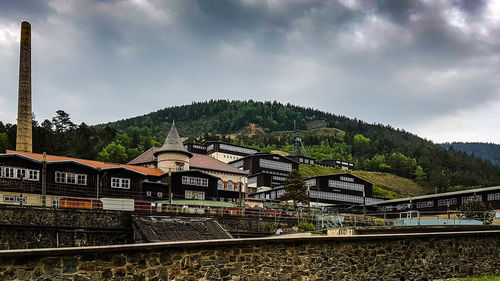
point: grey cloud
(358, 60)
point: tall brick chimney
(24, 126)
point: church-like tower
(24, 126)
(173, 156)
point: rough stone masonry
(369, 257)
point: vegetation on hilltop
(486, 151)
(373, 147)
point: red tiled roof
(92, 163)
(147, 156)
(199, 161)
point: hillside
(268, 126)
(384, 184)
(486, 151)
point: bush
(306, 226)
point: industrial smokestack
(24, 125)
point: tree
(295, 189)
(62, 122)
(476, 209)
(115, 153)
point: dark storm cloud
(411, 64)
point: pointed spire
(173, 143)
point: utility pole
(364, 203)
(44, 180)
(170, 186)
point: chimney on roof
(24, 125)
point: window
(120, 183)
(9, 172)
(195, 181)
(81, 179)
(33, 175)
(159, 194)
(71, 178)
(179, 168)
(346, 185)
(220, 185)
(275, 165)
(230, 186)
(148, 193)
(21, 173)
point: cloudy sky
(431, 67)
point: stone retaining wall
(371, 257)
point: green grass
(482, 278)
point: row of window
(14, 199)
(471, 198)
(71, 178)
(19, 173)
(346, 185)
(493, 196)
(192, 194)
(238, 164)
(336, 196)
(306, 160)
(278, 178)
(230, 186)
(275, 165)
(447, 202)
(252, 180)
(275, 173)
(237, 149)
(425, 204)
(231, 156)
(195, 181)
(310, 182)
(344, 178)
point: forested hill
(487, 151)
(267, 126)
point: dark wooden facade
(302, 159)
(214, 146)
(342, 188)
(339, 164)
(210, 192)
(440, 202)
(269, 169)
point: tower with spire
(173, 156)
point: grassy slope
(384, 184)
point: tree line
(372, 147)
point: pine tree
(295, 189)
